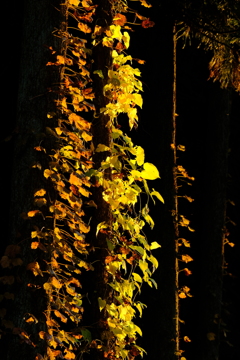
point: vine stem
(176, 229)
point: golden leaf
(186, 258)
(74, 2)
(35, 268)
(182, 295)
(86, 136)
(61, 316)
(34, 244)
(56, 283)
(84, 28)
(84, 228)
(40, 192)
(186, 339)
(69, 355)
(33, 213)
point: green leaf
(102, 147)
(150, 172)
(86, 334)
(101, 303)
(99, 73)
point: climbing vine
(71, 172)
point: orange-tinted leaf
(69, 355)
(40, 192)
(47, 173)
(30, 320)
(35, 268)
(84, 228)
(86, 136)
(186, 339)
(145, 4)
(39, 148)
(187, 272)
(79, 122)
(61, 316)
(147, 23)
(33, 213)
(182, 295)
(74, 2)
(56, 283)
(119, 19)
(84, 28)
(34, 245)
(186, 258)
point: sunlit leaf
(154, 245)
(137, 277)
(40, 192)
(150, 172)
(186, 258)
(158, 195)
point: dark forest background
(200, 103)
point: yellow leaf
(158, 195)
(102, 147)
(154, 245)
(137, 277)
(86, 136)
(150, 172)
(40, 192)
(140, 155)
